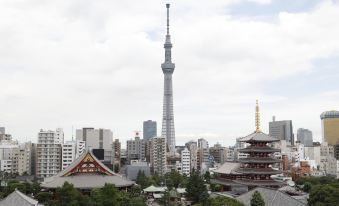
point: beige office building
(330, 127)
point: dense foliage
(322, 190)
(172, 179)
(106, 196)
(196, 188)
(257, 199)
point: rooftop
(258, 137)
(271, 197)
(329, 114)
(17, 198)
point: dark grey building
(282, 130)
(133, 169)
(305, 137)
(149, 129)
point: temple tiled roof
(258, 137)
(96, 175)
(271, 197)
(17, 198)
(268, 160)
(228, 168)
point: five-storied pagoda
(256, 169)
(168, 69)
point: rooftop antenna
(72, 134)
(167, 6)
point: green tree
(174, 179)
(307, 187)
(142, 180)
(44, 197)
(67, 195)
(257, 199)
(207, 177)
(322, 195)
(196, 189)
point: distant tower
(168, 69)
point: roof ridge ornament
(257, 118)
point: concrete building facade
(185, 162)
(305, 137)
(48, 153)
(282, 130)
(136, 149)
(158, 155)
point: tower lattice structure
(168, 68)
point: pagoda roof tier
(265, 149)
(259, 182)
(259, 160)
(258, 171)
(258, 137)
(249, 182)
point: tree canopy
(196, 189)
(257, 199)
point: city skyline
(69, 64)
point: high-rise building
(330, 127)
(158, 155)
(117, 151)
(68, 153)
(202, 143)
(193, 148)
(282, 130)
(2, 130)
(97, 139)
(25, 158)
(185, 162)
(48, 153)
(202, 158)
(136, 149)
(305, 137)
(9, 156)
(168, 131)
(149, 129)
(219, 153)
(80, 148)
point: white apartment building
(25, 158)
(185, 162)
(202, 143)
(68, 153)
(9, 156)
(158, 155)
(136, 149)
(80, 148)
(48, 153)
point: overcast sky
(97, 63)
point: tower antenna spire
(167, 6)
(257, 117)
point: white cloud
(91, 63)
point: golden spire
(257, 118)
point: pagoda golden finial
(257, 118)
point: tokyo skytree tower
(168, 117)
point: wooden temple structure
(254, 170)
(86, 173)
